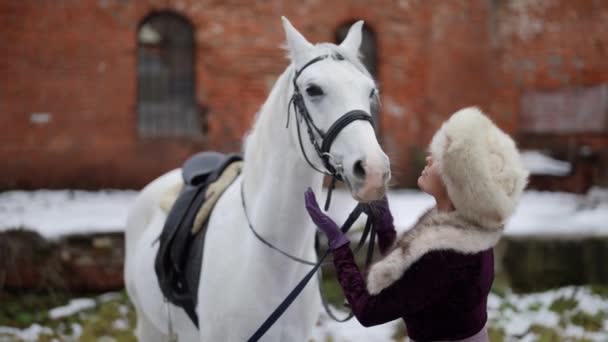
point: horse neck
(275, 175)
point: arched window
(165, 78)
(368, 46)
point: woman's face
(429, 180)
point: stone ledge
(537, 264)
(76, 262)
(95, 262)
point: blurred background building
(98, 94)
(111, 93)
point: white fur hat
(480, 167)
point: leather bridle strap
(336, 128)
(327, 139)
(312, 61)
(264, 241)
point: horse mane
(260, 137)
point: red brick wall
(554, 46)
(76, 61)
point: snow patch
(75, 306)
(76, 331)
(57, 213)
(109, 296)
(28, 334)
(120, 324)
(351, 330)
(520, 312)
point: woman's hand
(381, 215)
(335, 237)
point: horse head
(334, 96)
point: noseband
(334, 170)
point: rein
(336, 173)
(276, 314)
(264, 241)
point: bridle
(332, 169)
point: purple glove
(335, 237)
(381, 215)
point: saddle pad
(179, 257)
(213, 193)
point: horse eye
(372, 93)
(314, 90)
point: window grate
(165, 74)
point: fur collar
(434, 231)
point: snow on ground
(57, 213)
(28, 334)
(556, 309)
(569, 313)
(74, 306)
(351, 330)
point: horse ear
(296, 43)
(352, 42)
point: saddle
(180, 254)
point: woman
(437, 275)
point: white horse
(242, 280)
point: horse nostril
(358, 169)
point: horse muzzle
(368, 181)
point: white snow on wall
(540, 164)
(57, 213)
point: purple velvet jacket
(440, 296)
